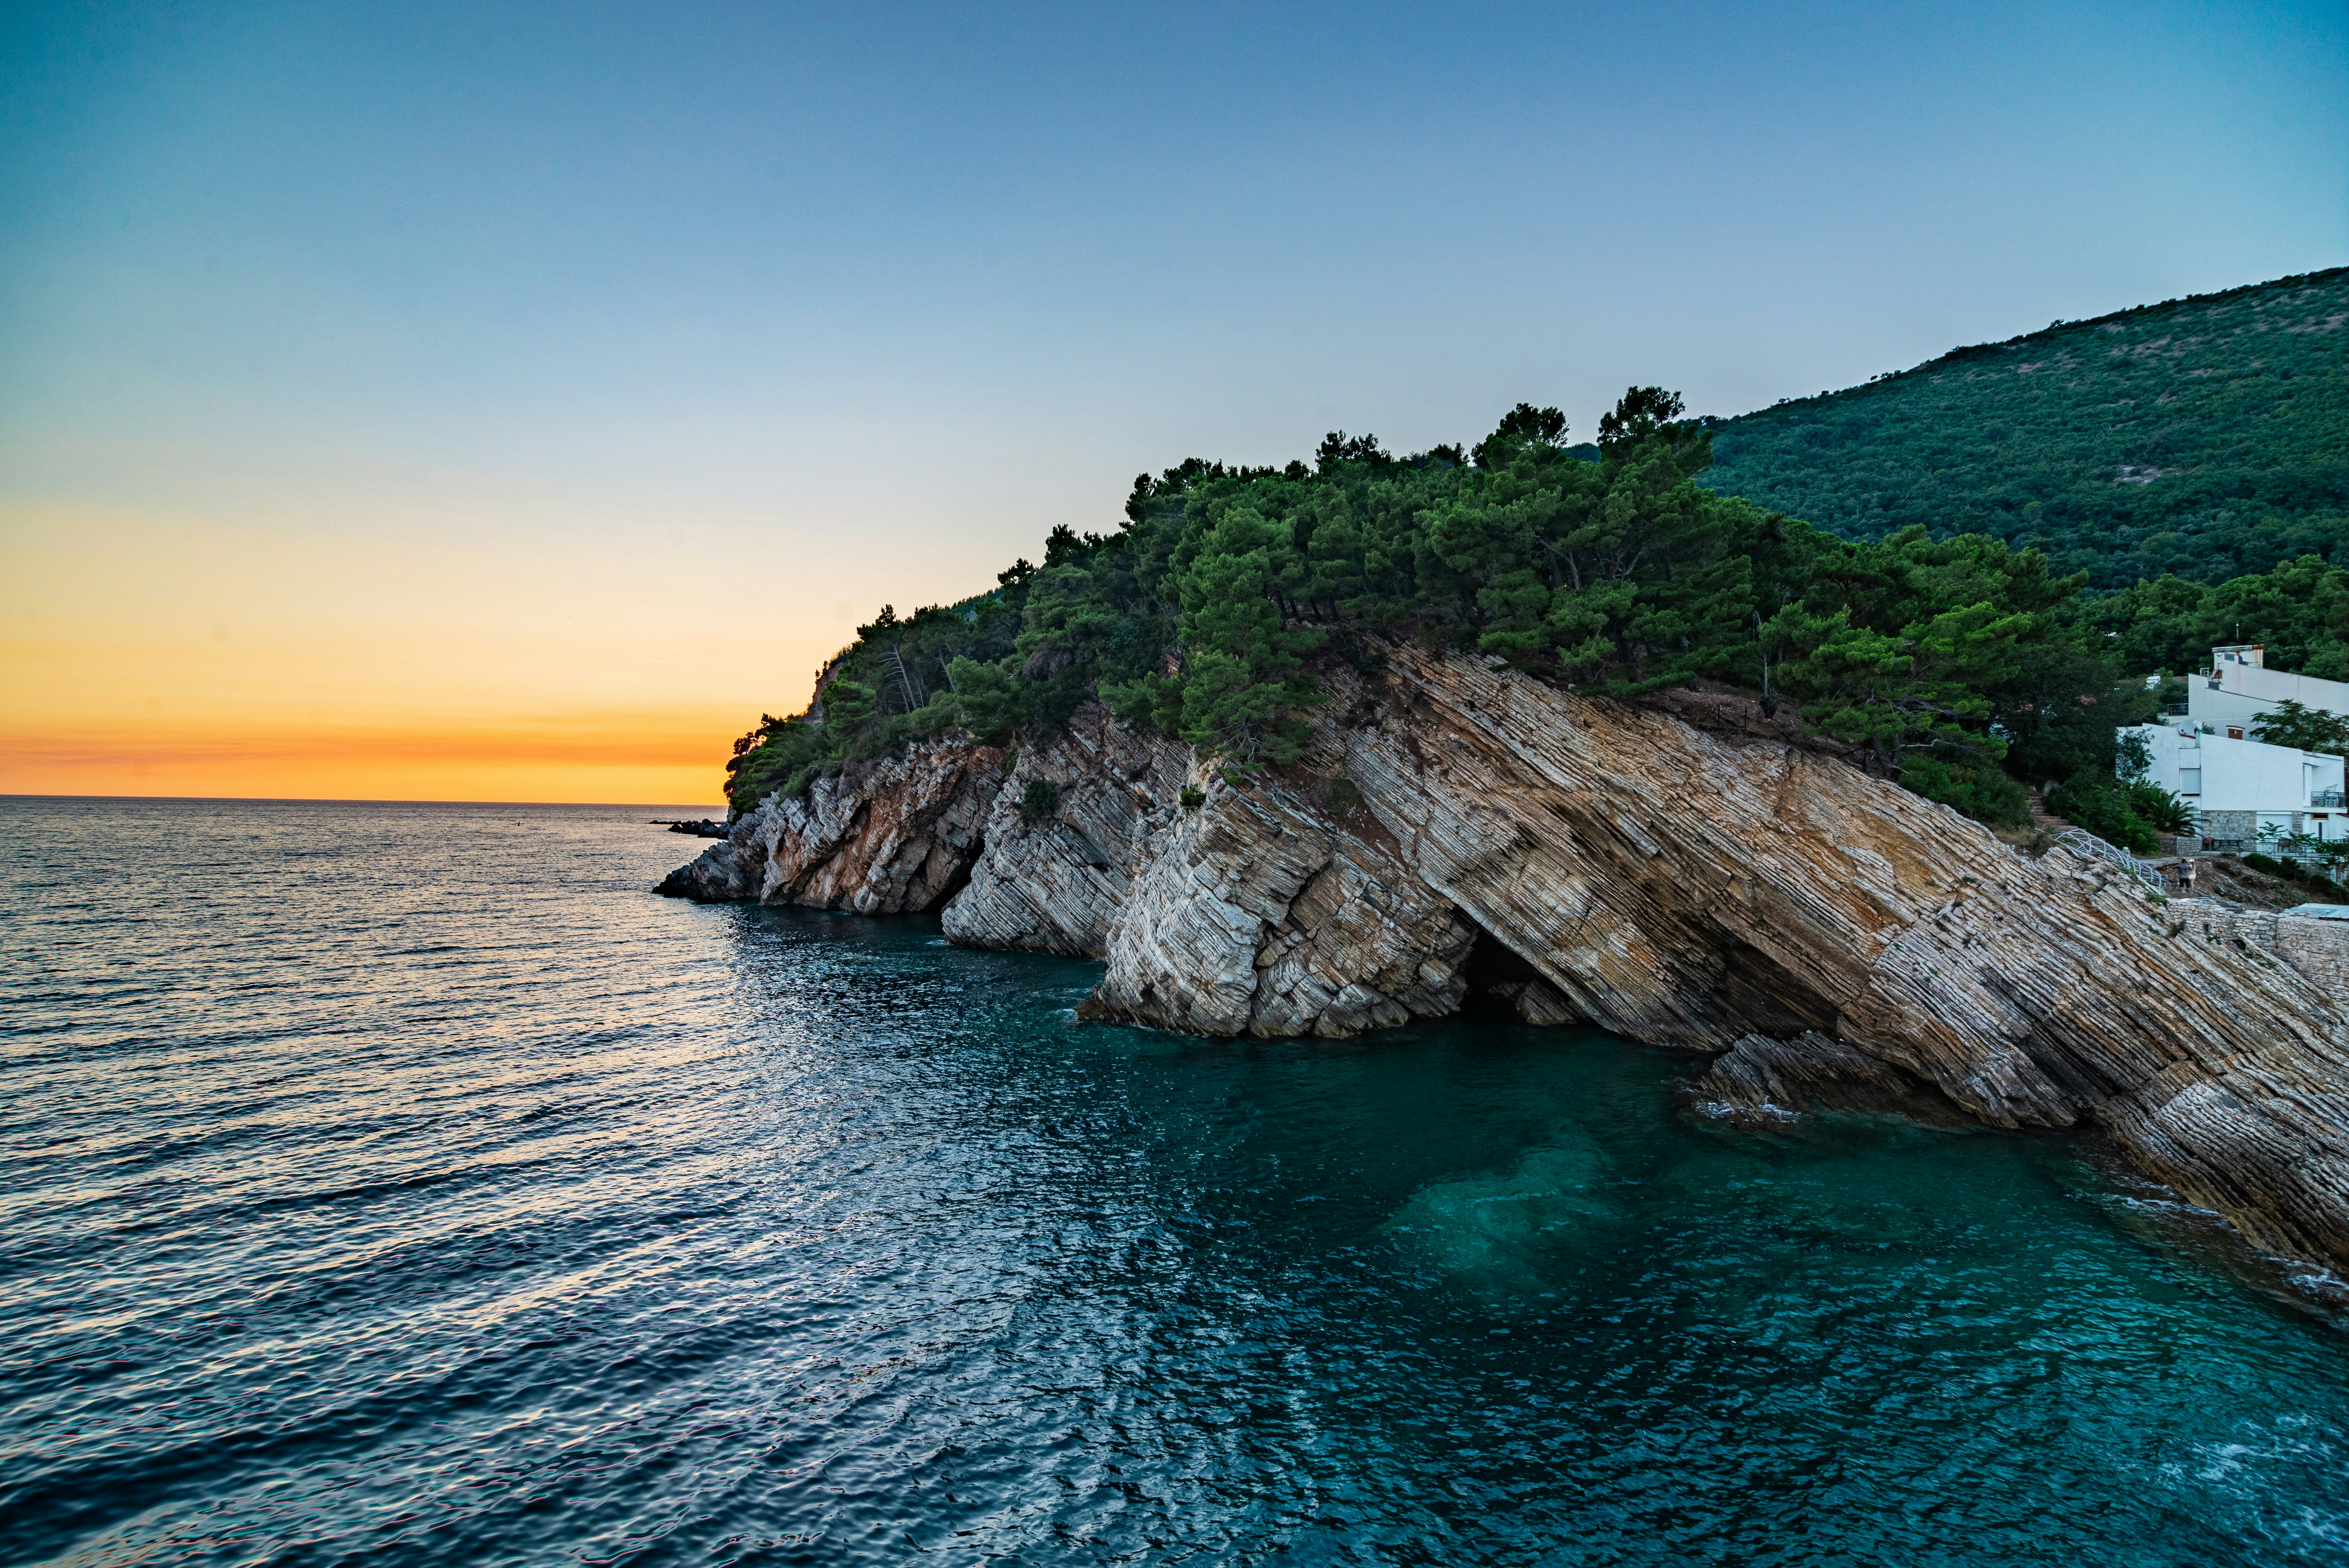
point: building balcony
(2326, 797)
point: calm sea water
(406, 1184)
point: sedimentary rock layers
(1739, 896)
(717, 876)
(889, 837)
(1685, 891)
(1052, 879)
(1259, 914)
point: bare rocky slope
(1455, 829)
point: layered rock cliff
(1054, 880)
(1455, 826)
(895, 836)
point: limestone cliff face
(1261, 913)
(719, 876)
(896, 836)
(1809, 924)
(1053, 883)
(1685, 891)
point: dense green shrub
(2129, 814)
(2300, 611)
(2317, 882)
(2289, 723)
(1981, 789)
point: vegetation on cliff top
(1938, 624)
(1204, 614)
(2204, 439)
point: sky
(515, 402)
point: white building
(2238, 688)
(2239, 785)
(2242, 787)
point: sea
(409, 1184)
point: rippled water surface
(406, 1184)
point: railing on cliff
(2083, 843)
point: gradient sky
(513, 402)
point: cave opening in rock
(1503, 985)
(958, 877)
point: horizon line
(367, 800)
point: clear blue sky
(861, 297)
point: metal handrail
(2081, 841)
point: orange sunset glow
(191, 656)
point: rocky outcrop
(1053, 880)
(895, 836)
(1454, 827)
(1760, 1079)
(719, 876)
(1686, 889)
(1260, 914)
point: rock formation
(1811, 926)
(1053, 882)
(1261, 914)
(895, 836)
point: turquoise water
(396, 1184)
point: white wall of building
(2280, 786)
(2238, 688)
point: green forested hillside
(2205, 437)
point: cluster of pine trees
(2300, 610)
(1958, 665)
